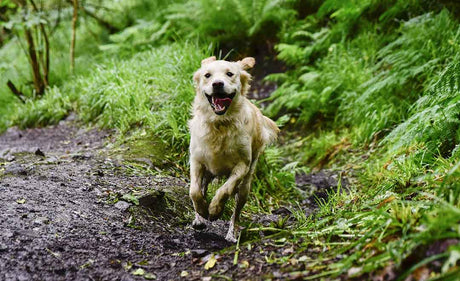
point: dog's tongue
(223, 102)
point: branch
(104, 23)
(16, 92)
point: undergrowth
(394, 95)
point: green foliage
(435, 116)
(233, 22)
(406, 66)
(149, 90)
(274, 178)
(371, 91)
(393, 94)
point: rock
(14, 133)
(41, 221)
(152, 199)
(98, 173)
(198, 253)
(122, 205)
(38, 152)
(52, 160)
(16, 169)
(81, 156)
(144, 161)
(72, 117)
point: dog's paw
(230, 237)
(199, 223)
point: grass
(145, 94)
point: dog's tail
(270, 130)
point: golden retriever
(228, 134)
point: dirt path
(58, 220)
(67, 213)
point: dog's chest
(220, 149)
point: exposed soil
(74, 210)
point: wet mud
(71, 209)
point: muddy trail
(72, 209)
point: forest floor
(73, 209)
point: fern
(435, 116)
(405, 67)
(230, 20)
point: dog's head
(222, 82)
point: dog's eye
(207, 75)
(229, 74)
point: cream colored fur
(225, 145)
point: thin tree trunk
(38, 81)
(46, 63)
(58, 19)
(32, 52)
(72, 42)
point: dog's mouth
(220, 102)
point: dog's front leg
(240, 199)
(199, 203)
(217, 204)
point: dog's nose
(218, 84)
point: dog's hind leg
(207, 178)
(217, 204)
(199, 203)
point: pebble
(41, 220)
(122, 205)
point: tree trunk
(72, 42)
(46, 63)
(38, 81)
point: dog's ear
(247, 63)
(245, 79)
(196, 76)
(208, 60)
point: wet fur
(225, 145)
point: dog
(228, 134)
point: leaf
(244, 264)
(150, 276)
(354, 271)
(138, 272)
(210, 263)
(130, 198)
(184, 273)
(128, 265)
(21, 201)
(454, 257)
(386, 201)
